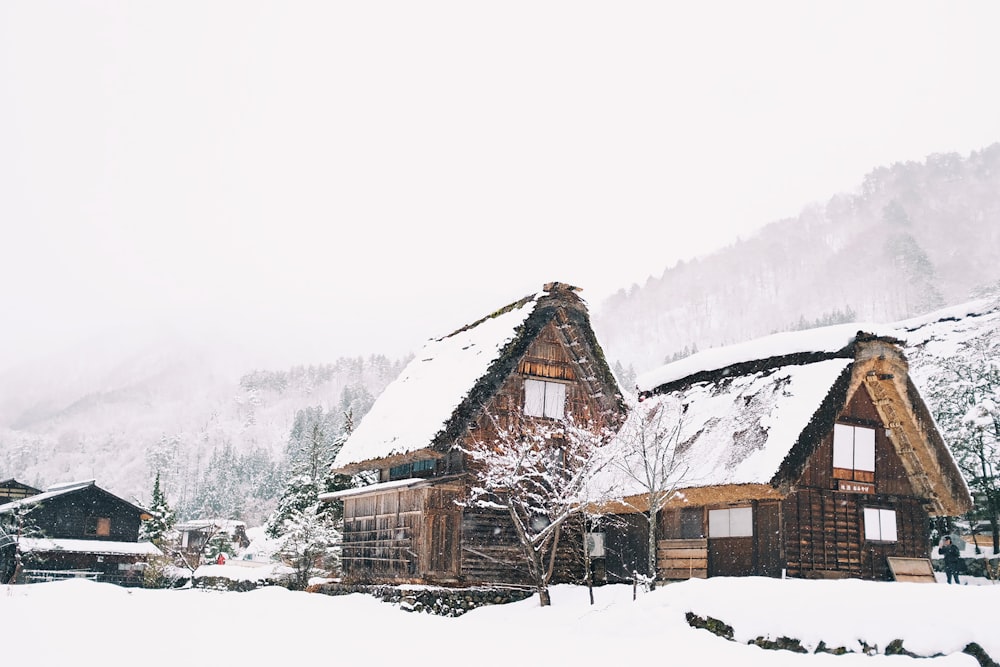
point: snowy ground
(82, 622)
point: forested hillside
(217, 441)
(914, 237)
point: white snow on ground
(82, 622)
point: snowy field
(82, 622)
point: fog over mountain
(915, 236)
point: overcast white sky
(330, 178)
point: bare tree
(538, 472)
(646, 458)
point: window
(880, 525)
(544, 399)
(732, 522)
(691, 519)
(595, 545)
(854, 452)
(412, 469)
(99, 526)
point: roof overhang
(388, 461)
(722, 494)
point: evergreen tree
(308, 544)
(299, 495)
(155, 528)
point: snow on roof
(940, 330)
(383, 486)
(90, 546)
(939, 334)
(202, 524)
(66, 486)
(419, 403)
(738, 429)
(56, 490)
(52, 492)
(825, 339)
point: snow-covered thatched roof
(449, 380)
(751, 414)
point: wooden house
(804, 455)
(535, 359)
(11, 489)
(78, 529)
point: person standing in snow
(952, 561)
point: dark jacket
(952, 560)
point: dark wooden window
(544, 399)
(854, 452)
(99, 526)
(415, 469)
(691, 523)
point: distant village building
(537, 359)
(195, 535)
(11, 489)
(803, 455)
(77, 530)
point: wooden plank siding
(825, 534)
(825, 527)
(681, 559)
(397, 534)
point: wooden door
(443, 543)
(730, 557)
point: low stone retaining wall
(429, 599)
(894, 647)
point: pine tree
(162, 517)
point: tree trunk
(651, 557)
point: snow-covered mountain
(167, 406)
(916, 236)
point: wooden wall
(383, 535)
(68, 516)
(824, 534)
(824, 527)
(424, 536)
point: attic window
(854, 452)
(99, 526)
(880, 525)
(544, 399)
(422, 468)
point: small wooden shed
(535, 359)
(822, 462)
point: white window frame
(730, 522)
(544, 399)
(880, 525)
(854, 447)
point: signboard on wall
(848, 486)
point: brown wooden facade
(420, 531)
